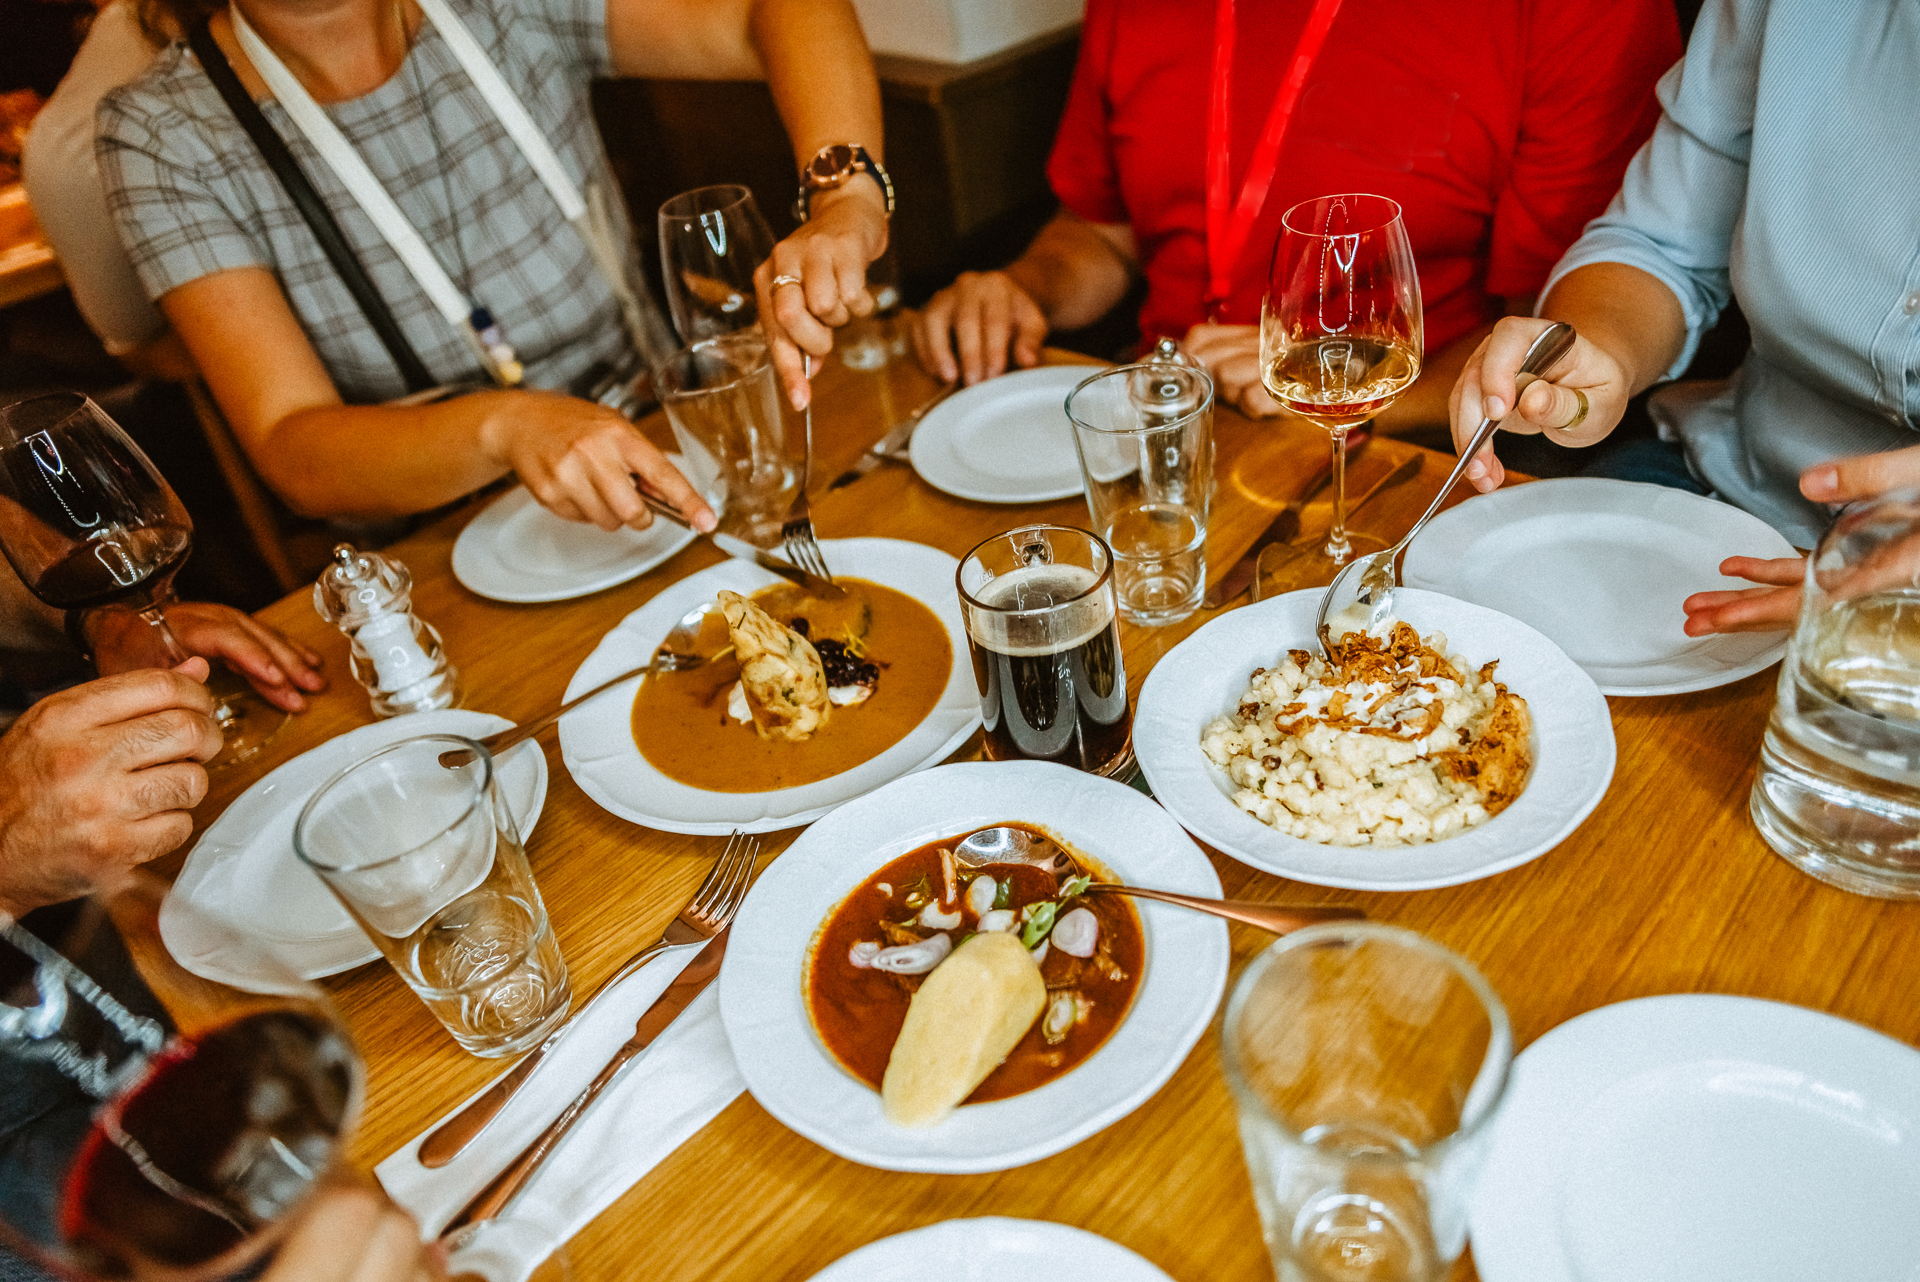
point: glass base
(1285, 568)
(1822, 860)
(248, 723)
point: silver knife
(897, 438)
(741, 550)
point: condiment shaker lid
(357, 586)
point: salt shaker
(396, 656)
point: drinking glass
(711, 240)
(1367, 1063)
(1340, 330)
(1145, 436)
(87, 522)
(1042, 627)
(871, 342)
(730, 421)
(178, 1124)
(428, 861)
(1838, 790)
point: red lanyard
(1227, 230)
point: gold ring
(778, 281)
(1578, 418)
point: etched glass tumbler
(1367, 1063)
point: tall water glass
(1145, 436)
(428, 860)
(730, 422)
(711, 240)
(1042, 628)
(1838, 790)
(1367, 1063)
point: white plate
(517, 551)
(1705, 1138)
(1206, 675)
(596, 743)
(1602, 567)
(797, 1080)
(993, 1249)
(243, 868)
(1005, 440)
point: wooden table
(1667, 888)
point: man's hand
(99, 778)
(1231, 354)
(828, 256)
(1488, 387)
(274, 664)
(352, 1234)
(986, 315)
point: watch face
(831, 166)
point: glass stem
(1338, 549)
(156, 617)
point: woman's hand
(1486, 387)
(986, 316)
(580, 460)
(828, 255)
(274, 664)
(1231, 354)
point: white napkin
(676, 1087)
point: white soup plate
(1006, 440)
(794, 1076)
(1601, 567)
(993, 1249)
(596, 742)
(1207, 675)
(1704, 1138)
(243, 868)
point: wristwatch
(834, 166)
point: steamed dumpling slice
(786, 687)
(962, 1024)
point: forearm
(1072, 271)
(817, 65)
(1627, 313)
(366, 460)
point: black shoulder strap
(319, 218)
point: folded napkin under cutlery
(680, 1084)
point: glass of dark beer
(1042, 626)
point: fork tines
(803, 549)
(720, 895)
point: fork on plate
(706, 915)
(796, 535)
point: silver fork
(706, 915)
(796, 535)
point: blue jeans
(1648, 459)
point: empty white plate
(1704, 1138)
(993, 1249)
(1005, 440)
(243, 868)
(517, 551)
(1602, 567)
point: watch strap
(863, 163)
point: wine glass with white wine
(1340, 334)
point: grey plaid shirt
(192, 196)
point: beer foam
(1036, 628)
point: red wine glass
(88, 523)
(1340, 334)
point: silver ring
(778, 281)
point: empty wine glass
(1340, 331)
(87, 521)
(711, 240)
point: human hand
(1862, 476)
(99, 778)
(987, 316)
(1771, 608)
(579, 460)
(1231, 354)
(828, 255)
(353, 1234)
(273, 663)
(1486, 387)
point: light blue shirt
(1785, 172)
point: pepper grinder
(396, 655)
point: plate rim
(1694, 1021)
(1171, 777)
(467, 553)
(941, 419)
(1191, 991)
(882, 1250)
(577, 764)
(1511, 495)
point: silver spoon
(1018, 846)
(674, 654)
(1370, 580)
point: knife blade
(1281, 530)
(741, 550)
(687, 985)
(897, 438)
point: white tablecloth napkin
(679, 1085)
